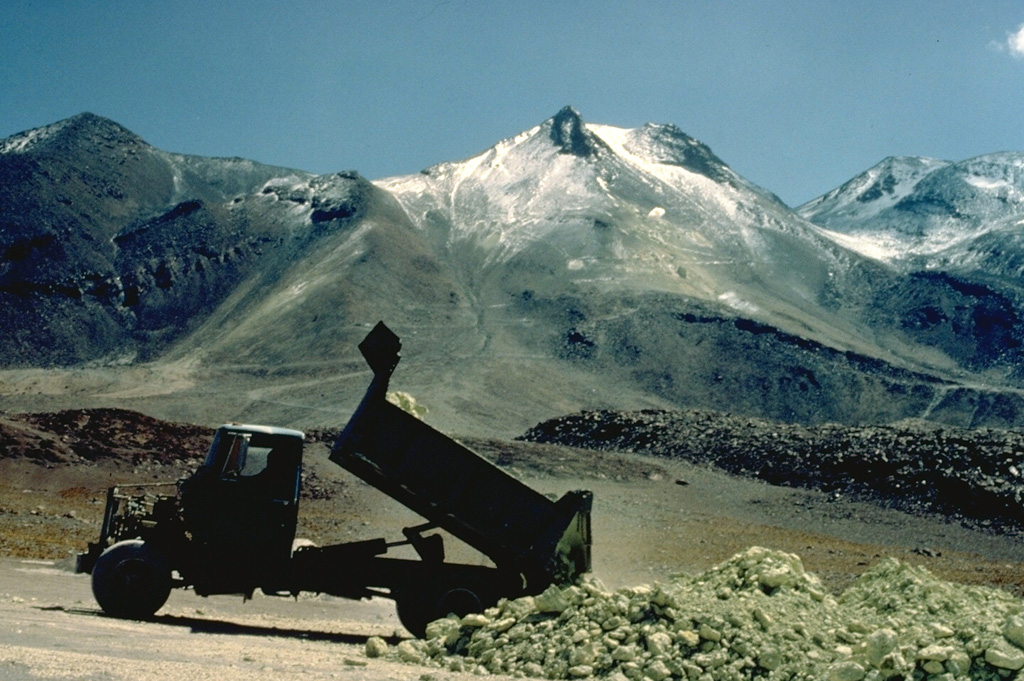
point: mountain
(113, 251)
(649, 208)
(920, 213)
(571, 266)
(954, 225)
(111, 248)
(652, 264)
(566, 207)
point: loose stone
(759, 614)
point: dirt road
(52, 629)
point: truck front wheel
(131, 579)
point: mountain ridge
(570, 266)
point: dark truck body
(229, 529)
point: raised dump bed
(456, 489)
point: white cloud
(1015, 42)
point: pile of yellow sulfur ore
(758, 615)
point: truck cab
(240, 509)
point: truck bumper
(85, 562)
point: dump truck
(229, 527)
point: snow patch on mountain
(876, 247)
(989, 183)
(312, 199)
(733, 300)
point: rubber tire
(412, 613)
(417, 609)
(131, 579)
(460, 600)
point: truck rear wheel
(417, 609)
(131, 579)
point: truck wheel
(131, 579)
(461, 600)
(412, 613)
(417, 609)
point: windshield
(240, 454)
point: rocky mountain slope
(113, 251)
(110, 248)
(571, 266)
(955, 225)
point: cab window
(255, 461)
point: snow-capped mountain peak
(82, 130)
(880, 187)
(922, 212)
(559, 179)
(603, 207)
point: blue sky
(796, 96)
